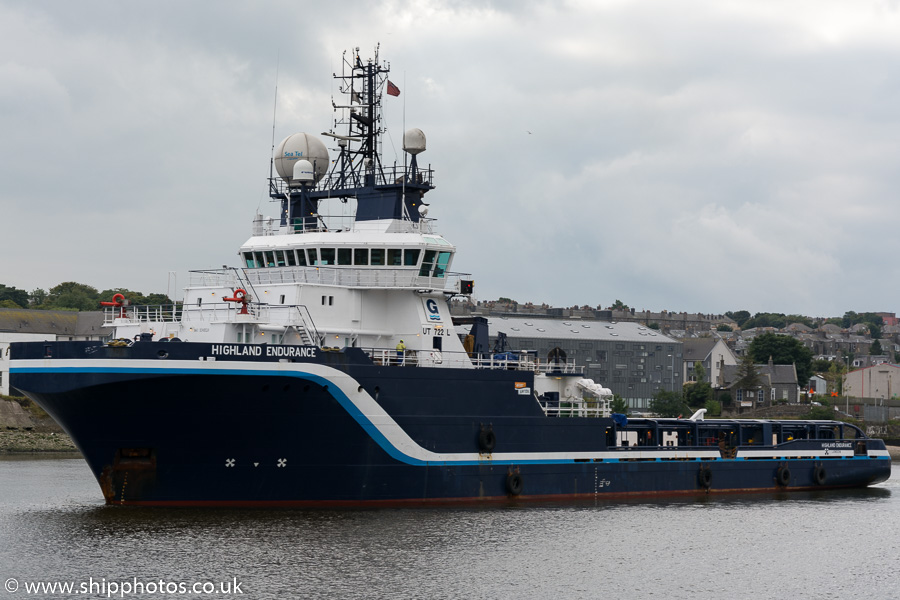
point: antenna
(274, 109)
(402, 144)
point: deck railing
(344, 276)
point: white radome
(301, 146)
(414, 141)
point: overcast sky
(700, 155)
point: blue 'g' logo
(434, 312)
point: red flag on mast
(392, 90)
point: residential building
(711, 352)
(777, 383)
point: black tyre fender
(783, 476)
(514, 483)
(487, 440)
(819, 475)
(704, 477)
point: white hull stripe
(360, 405)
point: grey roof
(774, 374)
(519, 327)
(698, 348)
(57, 322)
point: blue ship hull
(163, 424)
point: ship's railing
(370, 277)
(386, 175)
(506, 361)
(575, 409)
(287, 315)
(158, 313)
(267, 226)
(526, 362)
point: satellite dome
(301, 146)
(414, 141)
(303, 173)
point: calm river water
(55, 529)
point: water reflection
(768, 545)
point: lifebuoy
(487, 440)
(514, 484)
(704, 477)
(783, 476)
(819, 474)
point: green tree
(724, 327)
(784, 350)
(668, 404)
(699, 371)
(834, 378)
(654, 326)
(15, 296)
(875, 348)
(698, 395)
(72, 296)
(747, 377)
(776, 320)
(800, 319)
(154, 299)
(820, 365)
(823, 413)
(713, 408)
(36, 297)
(619, 305)
(619, 405)
(739, 316)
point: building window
(760, 396)
(739, 396)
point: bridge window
(411, 257)
(248, 258)
(270, 258)
(395, 257)
(377, 257)
(442, 262)
(344, 256)
(361, 256)
(291, 258)
(301, 258)
(313, 257)
(427, 263)
(279, 258)
(326, 256)
(260, 261)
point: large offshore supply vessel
(326, 370)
